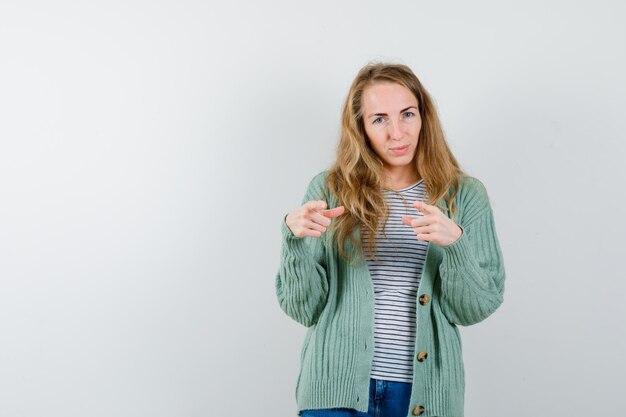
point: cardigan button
(418, 410)
(422, 356)
(424, 299)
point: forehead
(387, 96)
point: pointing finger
(334, 212)
(425, 208)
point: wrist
(459, 234)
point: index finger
(425, 208)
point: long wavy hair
(356, 178)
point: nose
(395, 132)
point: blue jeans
(387, 399)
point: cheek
(369, 133)
(416, 129)
(377, 143)
(371, 137)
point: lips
(400, 150)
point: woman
(392, 248)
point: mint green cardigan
(461, 284)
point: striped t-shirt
(396, 273)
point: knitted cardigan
(461, 284)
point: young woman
(392, 248)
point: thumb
(334, 212)
(406, 220)
(316, 205)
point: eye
(378, 120)
(409, 114)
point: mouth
(400, 149)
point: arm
(472, 270)
(301, 282)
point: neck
(399, 179)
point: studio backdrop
(149, 151)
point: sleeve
(472, 269)
(301, 281)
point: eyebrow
(385, 114)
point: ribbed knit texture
(317, 288)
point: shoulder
(472, 198)
(472, 187)
(317, 189)
(320, 178)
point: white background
(149, 150)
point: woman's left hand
(433, 226)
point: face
(392, 124)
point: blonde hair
(356, 178)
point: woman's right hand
(311, 219)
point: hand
(311, 219)
(433, 226)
